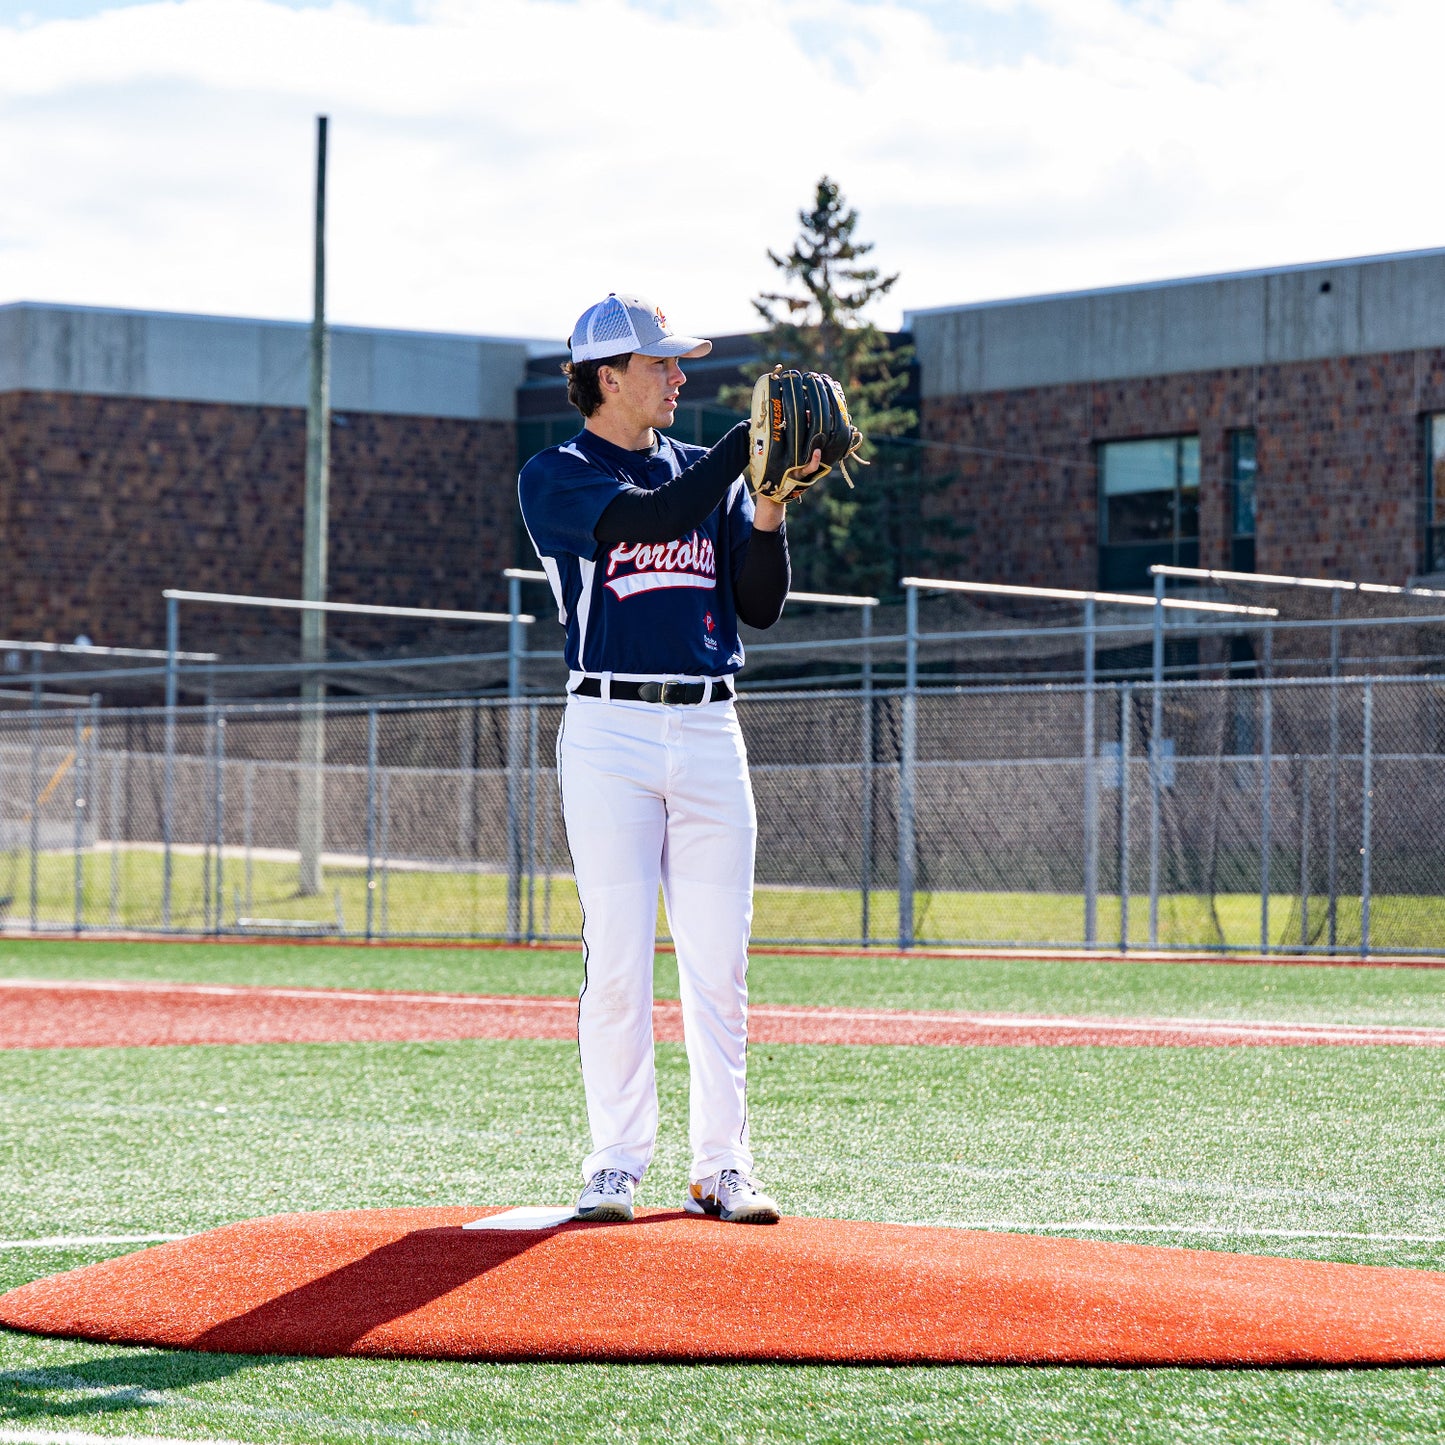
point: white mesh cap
(623, 324)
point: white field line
(1285, 1032)
(1363, 1033)
(1099, 1226)
(81, 1437)
(1019, 1226)
(83, 1241)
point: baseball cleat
(607, 1199)
(730, 1195)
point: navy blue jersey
(636, 610)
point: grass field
(1313, 1152)
(122, 890)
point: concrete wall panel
(1304, 313)
(198, 359)
(158, 356)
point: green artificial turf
(266, 1399)
(1285, 992)
(1337, 1140)
(1284, 1151)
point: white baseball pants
(660, 794)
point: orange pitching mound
(412, 1282)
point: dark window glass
(1434, 558)
(1243, 471)
(1141, 517)
(1149, 509)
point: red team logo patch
(708, 622)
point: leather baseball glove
(796, 413)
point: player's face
(647, 390)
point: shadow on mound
(331, 1314)
(670, 1286)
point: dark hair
(584, 391)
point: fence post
(35, 716)
(514, 637)
(514, 819)
(93, 774)
(78, 777)
(1091, 789)
(207, 839)
(1304, 852)
(514, 760)
(116, 768)
(1332, 850)
(1126, 718)
(1156, 727)
(248, 791)
(548, 817)
(469, 830)
(865, 872)
(385, 871)
(370, 820)
(906, 764)
(1266, 839)
(533, 723)
(1367, 781)
(218, 812)
(168, 785)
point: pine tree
(861, 540)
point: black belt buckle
(672, 693)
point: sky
(497, 165)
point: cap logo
(661, 319)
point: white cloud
(496, 166)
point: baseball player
(654, 549)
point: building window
(1434, 549)
(1243, 477)
(1148, 509)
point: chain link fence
(1295, 815)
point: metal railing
(1157, 809)
(1292, 815)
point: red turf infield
(411, 1282)
(43, 1014)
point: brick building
(1290, 420)
(141, 451)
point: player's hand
(814, 462)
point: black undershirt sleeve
(676, 507)
(762, 585)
